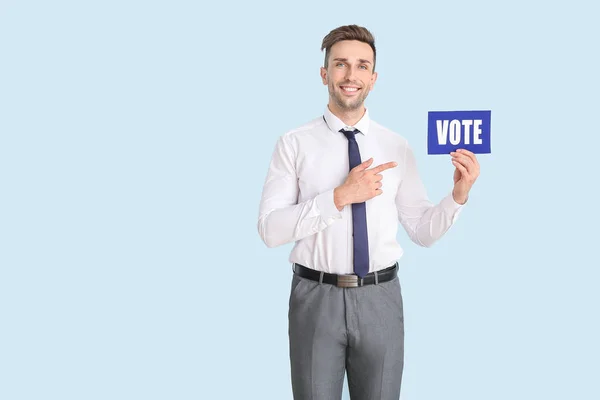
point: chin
(351, 106)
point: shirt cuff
(451, 207)
(327, 209)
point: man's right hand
(361, 184)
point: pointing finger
(383, 167)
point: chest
(324, 165)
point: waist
(347, 281)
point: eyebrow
(362, 60)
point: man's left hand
(465, 174)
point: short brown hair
(348, 32)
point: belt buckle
(347, 281)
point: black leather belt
(347, 281)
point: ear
(324, 75)
(373, 79)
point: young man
(337, 187)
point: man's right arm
(281, 218)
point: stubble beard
(347, 104)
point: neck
(348, 117)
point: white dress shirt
(309, 162)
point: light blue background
(135, 138)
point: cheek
(367, 80)
(336, 76)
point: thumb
(364, 165)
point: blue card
(451, 130)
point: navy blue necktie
(359, 214)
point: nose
(350, 74)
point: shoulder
(309, 128)
(303, 133)
(290, 143)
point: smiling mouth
(349, 90)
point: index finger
(469, 154)
(383, 167)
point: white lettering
(467, 131)
(455, 132)
(477, 132)
(442, 131)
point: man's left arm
(425, 222)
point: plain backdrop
(134, 141)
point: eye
(339, 64)
(363, 67)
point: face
(349, 75)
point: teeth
(349, 89)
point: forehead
(352, 50)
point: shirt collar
(336, 124)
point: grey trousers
(358, 331)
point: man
(337, 187)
